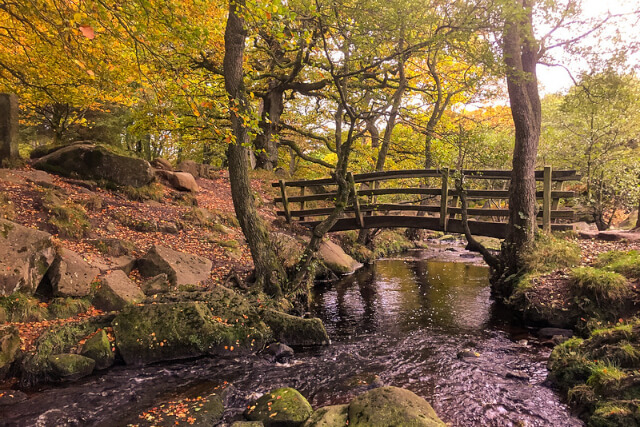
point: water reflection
(398, 296)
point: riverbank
(403, 321)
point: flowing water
(402, 320)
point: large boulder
(9, 348)
(70, 275)
(99, 349)
(284, 407)
(296, 331)
(170, 331)
(336, 259)
(392, 406)
(117, 291)
(88, 161)
(198, 170)
(183, 181)
(25, 257)
(329, 416)
(70, 367)
(181, 268)
(161, 163)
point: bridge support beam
(546, 199)
(444, 199)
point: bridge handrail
(549, 196)
(556, 176)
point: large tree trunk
(521, 57)
(265, 144)
(270, 274)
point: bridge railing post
(302, 191)
(444, 198)
(546, 199)
(356, 202)
(285, 201)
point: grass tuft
(625, 263)
(605, 287)
(550, 253)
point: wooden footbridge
(411, 203)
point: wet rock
(280, 407)
(25, 257)
(71, 367)
(296, 331)
(156, 285)
(9, 348)
(467, 353)
(70, 275)
(89, 161)
(117, 291)
(172, 331)
(392, 406)
(279, 352)
(518, 375)
(98, 348)
(10, 397)
(552, 332)
(335, 259)
(329, 416)
(181, 268)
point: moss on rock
(99, 349)
(391, 406)
(170, 331)
(36, 365)
(600, 374)
(329, 416)
(284, 407)
(296, 331)
(9, 348)
(71, 367)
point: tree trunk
(265, 144)
(269, 272)
(521, 56)
(638, 220)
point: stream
(403, 320)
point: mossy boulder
(282, 407)
(36, 365)
(392, 406)
(98, 348)
(296, 331)
(88, 161)
(600, 374)
(329, 416)
(247, 424)
(170, 331)
(71, 367)
(9, 348)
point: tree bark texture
(269, 272)
(521, 56)
(265, 143)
